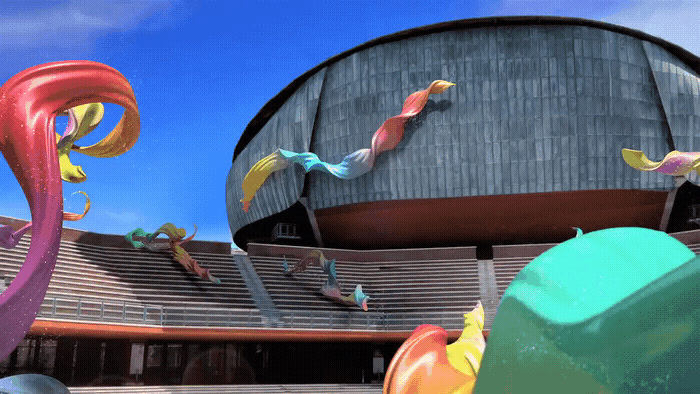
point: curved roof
(274, 104)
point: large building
(525, 146)
(490, 174)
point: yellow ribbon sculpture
(675, 163)
(465, 353)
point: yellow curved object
(259, 173)
(74, 216)
(69, 171)
(466, 352)
(118, 141)
(440, 86)
(85, 118)
(675, 163)
(174, 233)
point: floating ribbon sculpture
(330, 289)
(387, 137)
(426, 364)
(176, 238)
(675, 163)
(81, 121)
(29, 103)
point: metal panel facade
(535, 109)
(289, 128)
(679, 88)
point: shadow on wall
(415, 123)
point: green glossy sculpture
(611, 311)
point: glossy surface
(611, 311)
(426, 364)
(421, 366)
(674, 163)
(29, 103)
(32, 383)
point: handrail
(73, 308)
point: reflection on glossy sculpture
(331, 288)
(355, 164)
(29, 104)
(425, 363)
(611, 311)
(81, 120)
(176, 238)
(31, 383)
(675, 163)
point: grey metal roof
(266, 112)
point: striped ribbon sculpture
(176, 238)
(358, 163)
(330, 289)
(29, 104)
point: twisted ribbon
(176, 238)
(674, 163)
(358, 163)
(331, 288)
(82, 119)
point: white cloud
(75, 23)
(674, 21)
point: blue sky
(202, 70)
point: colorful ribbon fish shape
(176, 238)
(29, 102)
(330, 289)
(675, 163)
(358, 163)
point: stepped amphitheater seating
(127, 279)
(690, 238)
(411, 286)
(508, 260)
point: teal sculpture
(611, 311)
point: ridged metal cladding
(537, 108)
(290, 128)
